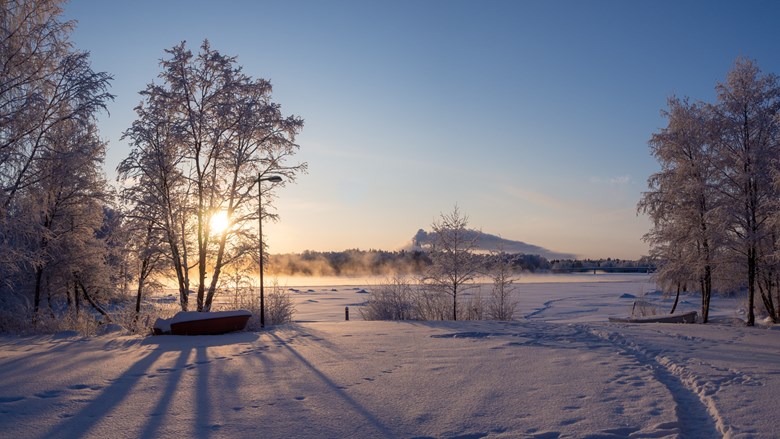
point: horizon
(533, 117)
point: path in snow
(696, 418)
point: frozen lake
(562, 298)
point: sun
(219, 222)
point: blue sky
(532, 116)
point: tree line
(715, 203)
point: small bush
(433, 304)
(472, 308)
(392, 300)
(279, 306)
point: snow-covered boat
(688, 317)
(203, 323)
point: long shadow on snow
(112, 396)
(373, 420)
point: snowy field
(561, 370)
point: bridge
(597, 269)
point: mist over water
(531, 278)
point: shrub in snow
(141, 322)
(279, 306)
(392, 300)
(642, 308)
(433, 304)
(472, 308)
(502, 303)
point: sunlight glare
(219, 222)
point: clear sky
(532, 116)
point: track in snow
(697, 418)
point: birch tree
(219, 133)
(746, 139)
(681, 201)
(502, 304)
(453, 266)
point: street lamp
(272, 179)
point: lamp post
(260, 179)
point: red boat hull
(211, 326)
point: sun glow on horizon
(219, 222)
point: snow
(561, 370)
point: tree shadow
(112, 396)
(381, 428)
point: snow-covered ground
(560, 371)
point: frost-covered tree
(69, 206)
(51, 185)
(453, 265)
(714, 204)
(156, 190)
(681, 201)
(745, 136)
(203, 138)
(502, 304)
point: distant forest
(357, 262)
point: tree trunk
(676, 299)
(94, 303)
(141, 280)
(765, 288)
(706, 294)
(455, 302)
(37, 296)
(751, 316)
(181, 274)
(76, 298)
(217, 271)
(776, 317)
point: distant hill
(487, 242)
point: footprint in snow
(49, 394)
(300, 398)
(6, 399)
